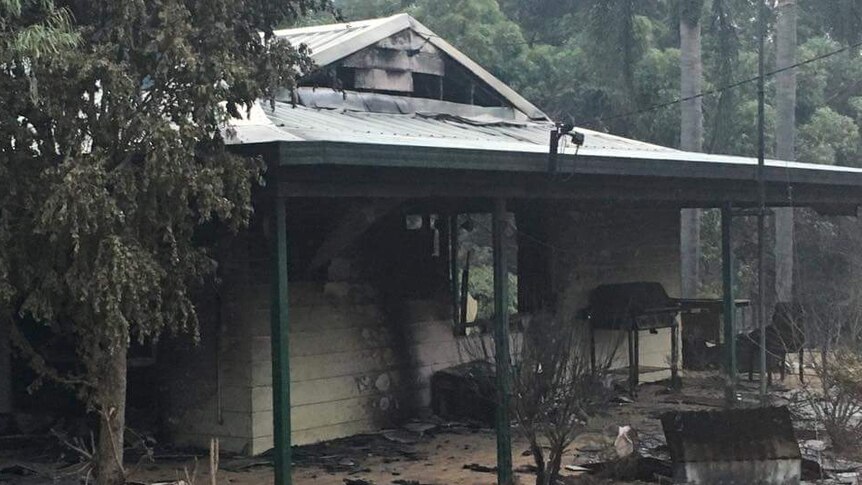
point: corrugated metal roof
(298, 124)
(332, 42)
(731, 435)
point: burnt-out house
(342, 299)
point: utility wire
(722, 89)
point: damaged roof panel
(332, 43)
(731, 435)
(329, 43)
(469, 130)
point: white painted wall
(354, 370)
(616, 245)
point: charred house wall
(368, 328)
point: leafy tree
(842, 19)
(829, 138)
(112, 162)
(550, 22)
(856, 105)
(33, 29)
(657, 79)
(617, 38)
(482, 289)
(560, 81)
(721, 56)
(366, 9)
(481, 30)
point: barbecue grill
(633, 308)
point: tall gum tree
(785, 140)
(111, 161)
(691, 133)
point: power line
(722, 89)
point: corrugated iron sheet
(321, 39)
(311, 124)
(730, 436)
(287, 123)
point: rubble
(475, 467)
(402, 436)
(420, 428)
(357, 481)
(436, 452)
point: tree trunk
(785, 138)
(112, 421)
(553, 469)
(6, 408)
(691, 139)
(539, 460)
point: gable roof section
(331, 43)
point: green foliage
(841, 19)
(856, 104)
(481, 30)
(829, 138)
(657, 77)
(112, 160)
(368, 9)
(482, 289)
(549, 22)
(34, 29)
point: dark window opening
(346, 77)
(321, 78)
(457, 90)
(427, 86)
(461, 86)
(483, 96)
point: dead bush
(555, 390)
(827, 314)
(838, 401)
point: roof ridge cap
(344, 25)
